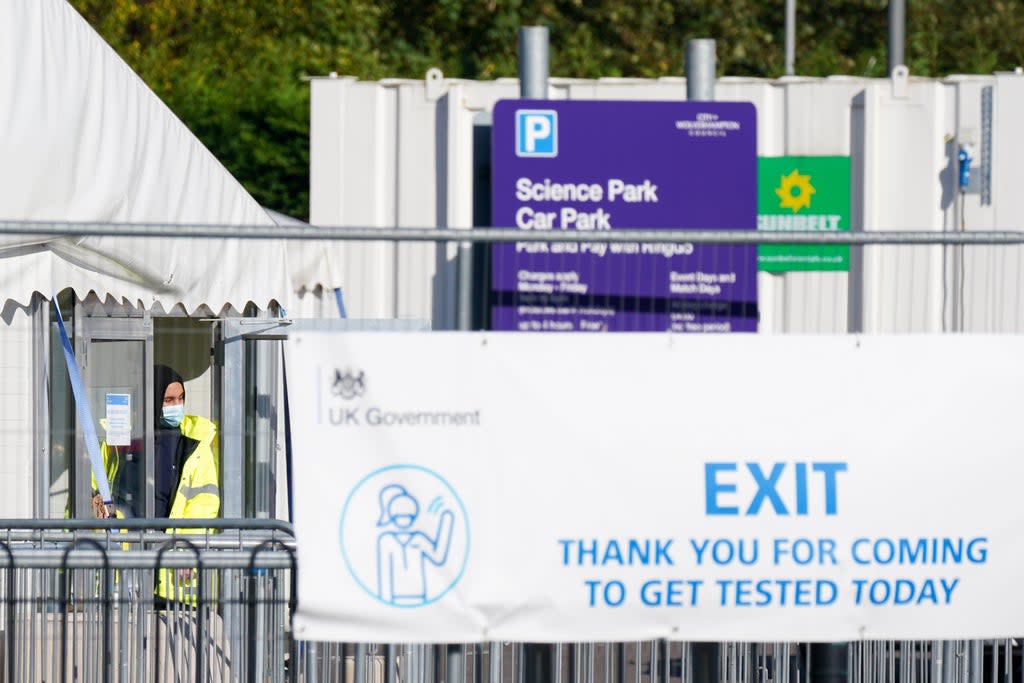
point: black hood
(163, 377)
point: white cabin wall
(399, 153)
(16, 412)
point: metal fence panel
(77, 598)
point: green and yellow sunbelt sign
(803, 194)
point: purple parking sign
(597, 166)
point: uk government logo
(404, 536)
(336, 405)
(536, 133)
(348, 384)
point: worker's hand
(99, 510)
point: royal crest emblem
(348, 384)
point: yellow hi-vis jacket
(198, 493)
(197, 497)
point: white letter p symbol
(537, 128)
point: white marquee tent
(82, 138)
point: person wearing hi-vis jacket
(186, 471)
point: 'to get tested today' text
(785, 570)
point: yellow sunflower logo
(795, 191)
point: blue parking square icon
(536, 133)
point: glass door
(116, 357)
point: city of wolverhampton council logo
(795, 191)
(404, 535)
(348, 384)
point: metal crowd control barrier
(79, 602)
(124, 600)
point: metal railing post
(537, 662)
(790, 37)
(897, 33)
(706, 662)
(700, 69)
(359, 663)
(10, 604)
(465, 303)
(830, 662)
(389, 664)
(65, 606)
(533, 62)
(454, 671)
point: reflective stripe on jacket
(198, 494)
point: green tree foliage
(234, 73)
(234, 70)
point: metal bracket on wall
(900, 79)
(435, 85)
(986, 146)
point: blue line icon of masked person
(403, 553)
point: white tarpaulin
(466, 487)
(83, 139)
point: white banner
(468, 487)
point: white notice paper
(119, 419)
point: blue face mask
(172, 415)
